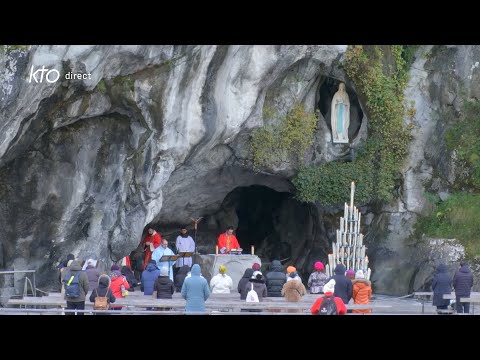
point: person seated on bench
(221, 283)
(362, 292)
(328, 290)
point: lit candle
(253, 252)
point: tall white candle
(352, 190)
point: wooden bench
(445, 311)
(211, 305)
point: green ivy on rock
(380, 74)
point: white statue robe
(184, 245)
(340, 115)
(157, 255)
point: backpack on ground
(72, 285)
(101, 303)
(328, 306)
(252, 296)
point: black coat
(180, 277)
(164, 287)
(275, 279)
(343, 285)
(101, 290)
(243, 282)
(463, 282)
(441, 284)
(127, 272)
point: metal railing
(33, 286)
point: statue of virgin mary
(340, 115)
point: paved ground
(399, 306)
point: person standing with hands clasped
(184, 243)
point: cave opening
(275, 223)
(257, 209)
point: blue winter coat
(195, 290)
(441, 284)
(149, 275)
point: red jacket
(227, 241)
(341, 308)
(116, 288)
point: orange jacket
(227, 241)
(362, 292)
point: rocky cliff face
(442, 77)
(160, 134)
(155, 135)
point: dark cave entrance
(257, 210)
(279, 226)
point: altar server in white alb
(184, 243)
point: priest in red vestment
(227, 241)
(151, 241)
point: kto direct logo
(51, 76)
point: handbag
(252, 296)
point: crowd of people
(160, 281)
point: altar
(235, 264)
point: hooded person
(103, 289)
(441, 285)
(72, 275)
(163, 288)
(195, 291)
(362, 292)
(343, 285)
(149, 276)
(243, 281)
(275, 279)
(329, 289)
(317, 279)
(462, 283)
(221, 283)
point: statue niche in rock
(340, 115)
